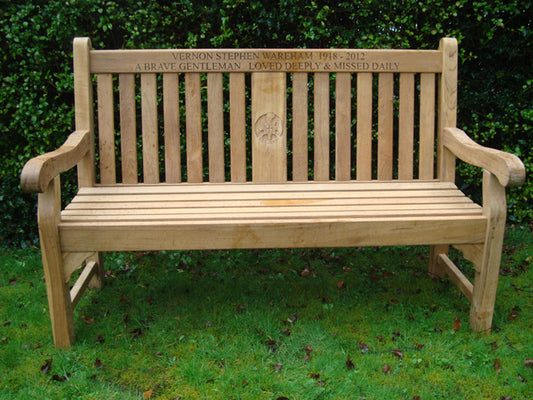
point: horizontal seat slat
(266, 187)
(269, 196)
(254, 203)
(256, 214)
(151, 210)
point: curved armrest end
(33, 176)
(507, 167)
(39, 171)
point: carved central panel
(268, 128)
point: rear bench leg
(486, 280)
(97, 280)
(61, 315)
(436, 270)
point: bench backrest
(191, 112)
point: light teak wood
(196, 155)
(269, 131)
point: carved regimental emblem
(268, 128)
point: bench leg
(486, 280)
(435, 270)
(98, 279)
(58, 293)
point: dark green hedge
(496, 74)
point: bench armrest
(39, 171)
(505, 166)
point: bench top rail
(265, 60)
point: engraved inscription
(270, 60)
(268, 128)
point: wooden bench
(257, 148)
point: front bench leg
(59, 301)
(486, 280)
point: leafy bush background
(36, 101)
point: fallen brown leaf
(497, 365)
(148, 394)
(292, 318)
(136, 332)
(46, 367)
(386, 369)
(397, 353)
(363, 347)
(62, 378)
(456, 324)
(349, 363)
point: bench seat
(269, 215)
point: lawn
(271, 324)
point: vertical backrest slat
(171, 127)
(83, 98)
(406, 126)
(149, 128)
(215, 127)
(106, 129)
(427, 126)
(193, 126)
(237, 118)
(364, 126)
(300, 127)
(269, 127)
(385, 125)
(128, 128)
(321, 124)
(343, 122)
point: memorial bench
(261, 148)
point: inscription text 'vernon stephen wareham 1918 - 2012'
(190, 61)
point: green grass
(253, 325)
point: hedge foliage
(36, 101)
